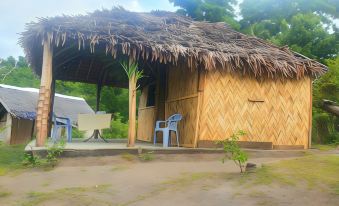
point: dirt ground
(196, 179)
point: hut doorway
(174, 90)
(146, 113)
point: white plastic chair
(171, 124)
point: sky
(14, 14)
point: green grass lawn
(316, 171)
(11, 157)
(324, 147)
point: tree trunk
(132, 111)
(44, 102)
(331, 107)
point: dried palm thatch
(165, 37)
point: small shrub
(233, 151)
(148, 156)
(30, 160)
(53, 152)
(51, 159)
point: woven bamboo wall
(182, 98)
(187, 125)
(146, 118)
(21, 131)
(181, 83)
(280, 113)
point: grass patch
(128, 156)
(11, 157)
(324, 147)
(80, 193)
(316, 171)
(266, 175)
(148, 156)
(4, 194)
(257, 194)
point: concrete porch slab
(78, 148)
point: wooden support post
(44, 102)
(50, 121)
(309, 143)
(132, 111)
(201, 87)
(99, 87)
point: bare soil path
(196, 179)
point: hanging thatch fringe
(168, 38)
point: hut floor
(78, 148)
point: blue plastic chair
(171, 124)
(59, 123)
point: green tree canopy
(254, 11)
(303, 25)
(306, 34)
(208, 10)
(327, 87)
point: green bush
(53, 152)
(118, 129)
(324, 128)
(77, 134)
(30, 160)
(51, 159)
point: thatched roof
(21, 103)
(156, 37)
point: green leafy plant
(30, 160)
(53, 152)
(51, 159)
(233, 151)
(131, 69)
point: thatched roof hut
(88, 48)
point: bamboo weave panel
(146, 123)
(181, 82)
(283, 117)
(187, 126)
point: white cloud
(135, 6)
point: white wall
(6, 128)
